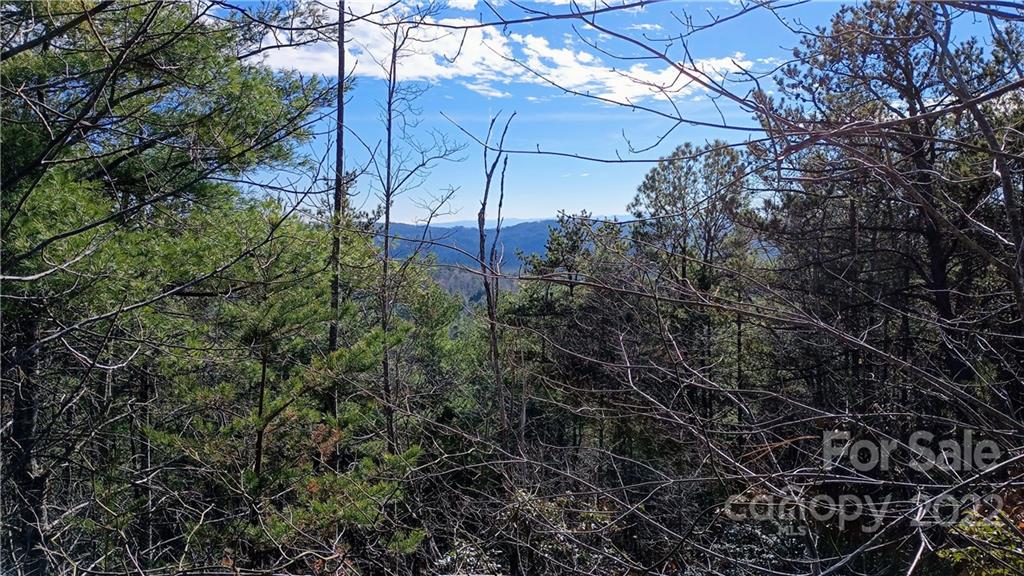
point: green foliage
(171, 402)
(992, 546)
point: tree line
(206, 371)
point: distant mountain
(490, 222)
(460, 244)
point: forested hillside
(459, 245)
(800, 353)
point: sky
(467, 77)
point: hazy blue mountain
(451, 243)
(490, 222)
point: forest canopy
(800, 351)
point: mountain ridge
(459, 245)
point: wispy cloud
(486, 90)
(645, 27)
(487, 61)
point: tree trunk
(28, 475)
(339, 185)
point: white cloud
(433, 53)
(462, 4)
(481, 59)
(645, 27)
(486, 90)
(589, 75)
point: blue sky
(474, 79)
